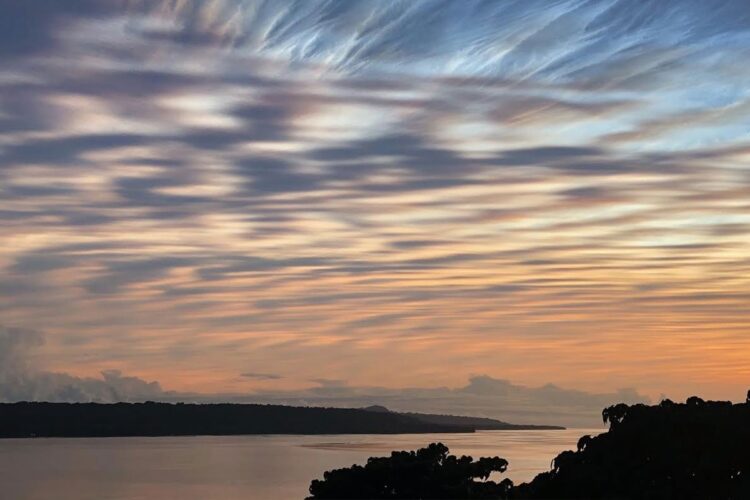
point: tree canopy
(693, 450)
(426, 473)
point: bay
(236, 467)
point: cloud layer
(483, 396)
(398, 194)
(20, 380)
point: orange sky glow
(189, 210)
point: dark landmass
(423, 474)
(478, 423)
(695, 450)
(22, 420)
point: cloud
(572, 39)
(199, 187)
(327, 383)
(483, 396)
(121, 274)
(14, 344)
(30, 28)
(261, 376)
(21, 381)
(68, 149)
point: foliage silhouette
(695, 450)
(427, 473)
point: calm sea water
(234, 467)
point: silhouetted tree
(427, 473)
(696, 450)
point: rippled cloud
(329, 190)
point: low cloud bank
(482, 396)
(21, 381)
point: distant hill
(20, 420)
(478, 423)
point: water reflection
(234, 467)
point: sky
(367, 201)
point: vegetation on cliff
(694, 450)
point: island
(39, 419)
(478, 423)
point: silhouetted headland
(695, 450)
(167, 419)
(27, 419)
(478, 423)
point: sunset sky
(250, 197)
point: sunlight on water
(235, 467)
